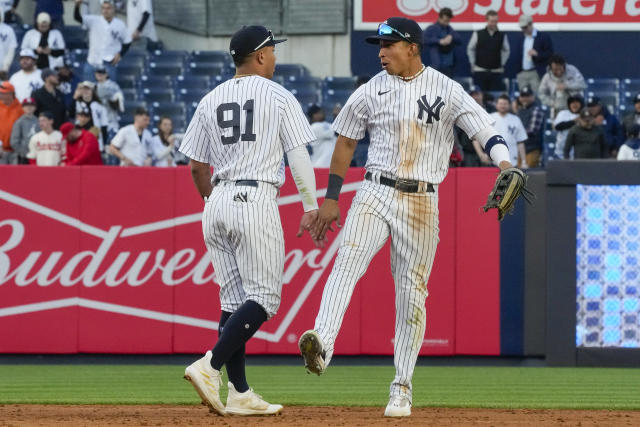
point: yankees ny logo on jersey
(433, 111)
(512, 130)
(3, 37)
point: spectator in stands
(140, 23)
(325, 137)
(532, 51)
(82, 146)
(511, 128)
(8, 11)
(586, 139)
(8, 45)
(46, 147)
(10, 110)
(630, 150)
(613, 130)
(632, 118)
(564, 121)
(54, 9)
(478, 95)
(86, 99)
(109, 39)
(488, 51)
(561, 81)
(83, 121)
(46, 42)
(472, 156)
(162, 147)
(68, 84)
(131, 143)
(49, 98)
(29, 78)
(23, 129)
(441, 40)
(532, 117)
(112, 99)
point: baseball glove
(511, 184)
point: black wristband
(334, 187)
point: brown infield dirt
(163, 415)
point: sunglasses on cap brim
(387, 30)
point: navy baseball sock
(240, 326)
(235, 364)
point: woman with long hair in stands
(163, 144)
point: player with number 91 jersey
(244, 126)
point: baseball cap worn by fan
(28, 101)
(6, 87)
(525, 20)
(526, 91)
(636, 99)
(586, 114)
(251, 39)
(28, 53)
(593, 101)
(66, 128)
(398, 29)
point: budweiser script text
(106, 266)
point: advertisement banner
(548, 15)
(112, 260)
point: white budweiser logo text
(185, 265)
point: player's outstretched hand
(306, 223)
(329, 212)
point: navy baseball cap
(526, 91)
(250, 39)
(398, 29)
(593, 101)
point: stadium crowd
(74, 95)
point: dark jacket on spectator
(54, 103)
(542, 44)
(629, 120)
(587, 143)
(440, 56)
(613, 130)
(532, 118)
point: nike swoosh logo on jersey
(382, 93)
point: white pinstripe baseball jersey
(243, 127)
(410, 123)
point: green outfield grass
(578, 388)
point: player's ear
(260, 56)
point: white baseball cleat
(207, 382)
(249, 403)
(398, 406)
(313, 353)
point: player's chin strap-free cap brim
(376, 39)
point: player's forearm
(303, 176)
(342, 155)
(201, 174)
(494, 145)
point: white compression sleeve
(499, 152)
(304, 177)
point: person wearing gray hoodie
(23, 129)
(561, 81)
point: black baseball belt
(242, 182)
(404, 185)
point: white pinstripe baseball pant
(243, 234)
(411, 220)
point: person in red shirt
(82, 146)
(10, 110)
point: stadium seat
(77, 55)
(211, 69)
(631, 85)
(130, 106)
(603, 84)
(289, 70)
(199, 82)
(169, 109)
(610, 99)
(159, 69)
(75, 37)
(340, 83)
(211, 56)
(129, 70)
(190, 95)
(336, 96)
(127, 82)
(125, 119)
(153, 82)
(130, 94)
(304, 85)
(549, 145)
(158, 94)
(169, 56)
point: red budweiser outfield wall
(553, 15)
(111, 260)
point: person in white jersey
(46, 148)
(109, 39)
(140, 20)
(131, 143)
(29, 78)
(8, 45)
(409, 111)
(242, 128)
(510, 126)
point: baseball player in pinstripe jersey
(410, 111)
(243, 128)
